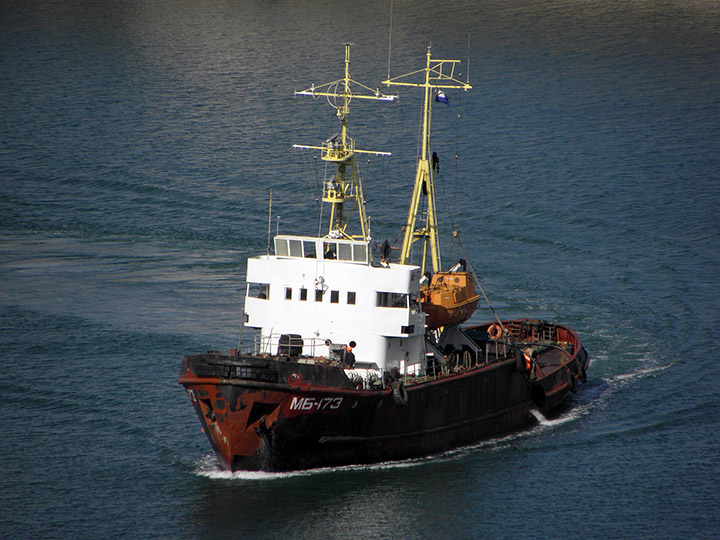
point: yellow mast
(438, 74)
(345, 186)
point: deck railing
(271, 344)
(490, 351)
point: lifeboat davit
(449, 298)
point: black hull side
(438, 416)
(263, 413)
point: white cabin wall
(405, 352)
(364, 322)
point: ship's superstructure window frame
(360, 252)
(303, 294)
(319, 293)
(281, 247)
(392, 299)
(258, 290)
(296, 247)
(344, 252)
(351, 298)
(288, 293)
(303, 247)
(329, 250)
(334, 297)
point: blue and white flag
(441, 97)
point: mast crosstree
(437, 75)
(345, 186)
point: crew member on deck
(529, 355)
(436, 163)
(347, 357)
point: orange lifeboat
(449, 298)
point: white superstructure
(330, 291)
(315, 295)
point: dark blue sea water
(138, 144)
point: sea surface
(139, 142)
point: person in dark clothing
(347, 357)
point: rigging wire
(390, 37)
(269, 222)
(363, 201)
(464, 254)
(455, 232)
(302, 163)
(422, 210)
(322, 205)
(456, 235)
(457, 152)
(317, 184)
(467, 79)
(318, 191)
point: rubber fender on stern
(572, 382)
(400, 394)
(582, 374)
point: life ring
(495, 332)
(400, 394)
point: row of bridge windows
(343, 251)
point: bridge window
(390, 299)
(296, 249)
(319, 295)
(360, 252)
(345, 252)
(309, 249)
(334, 297)
(259, 290)
(330, 250)
(351, 298)
(303, 295)
(288, 293)
(281, 247)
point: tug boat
(358, 359)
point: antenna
(343, 190)
(269, 221)
(390, 38)
(467, 79)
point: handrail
(269, 344)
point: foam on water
(545, 423)
(209, 467)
